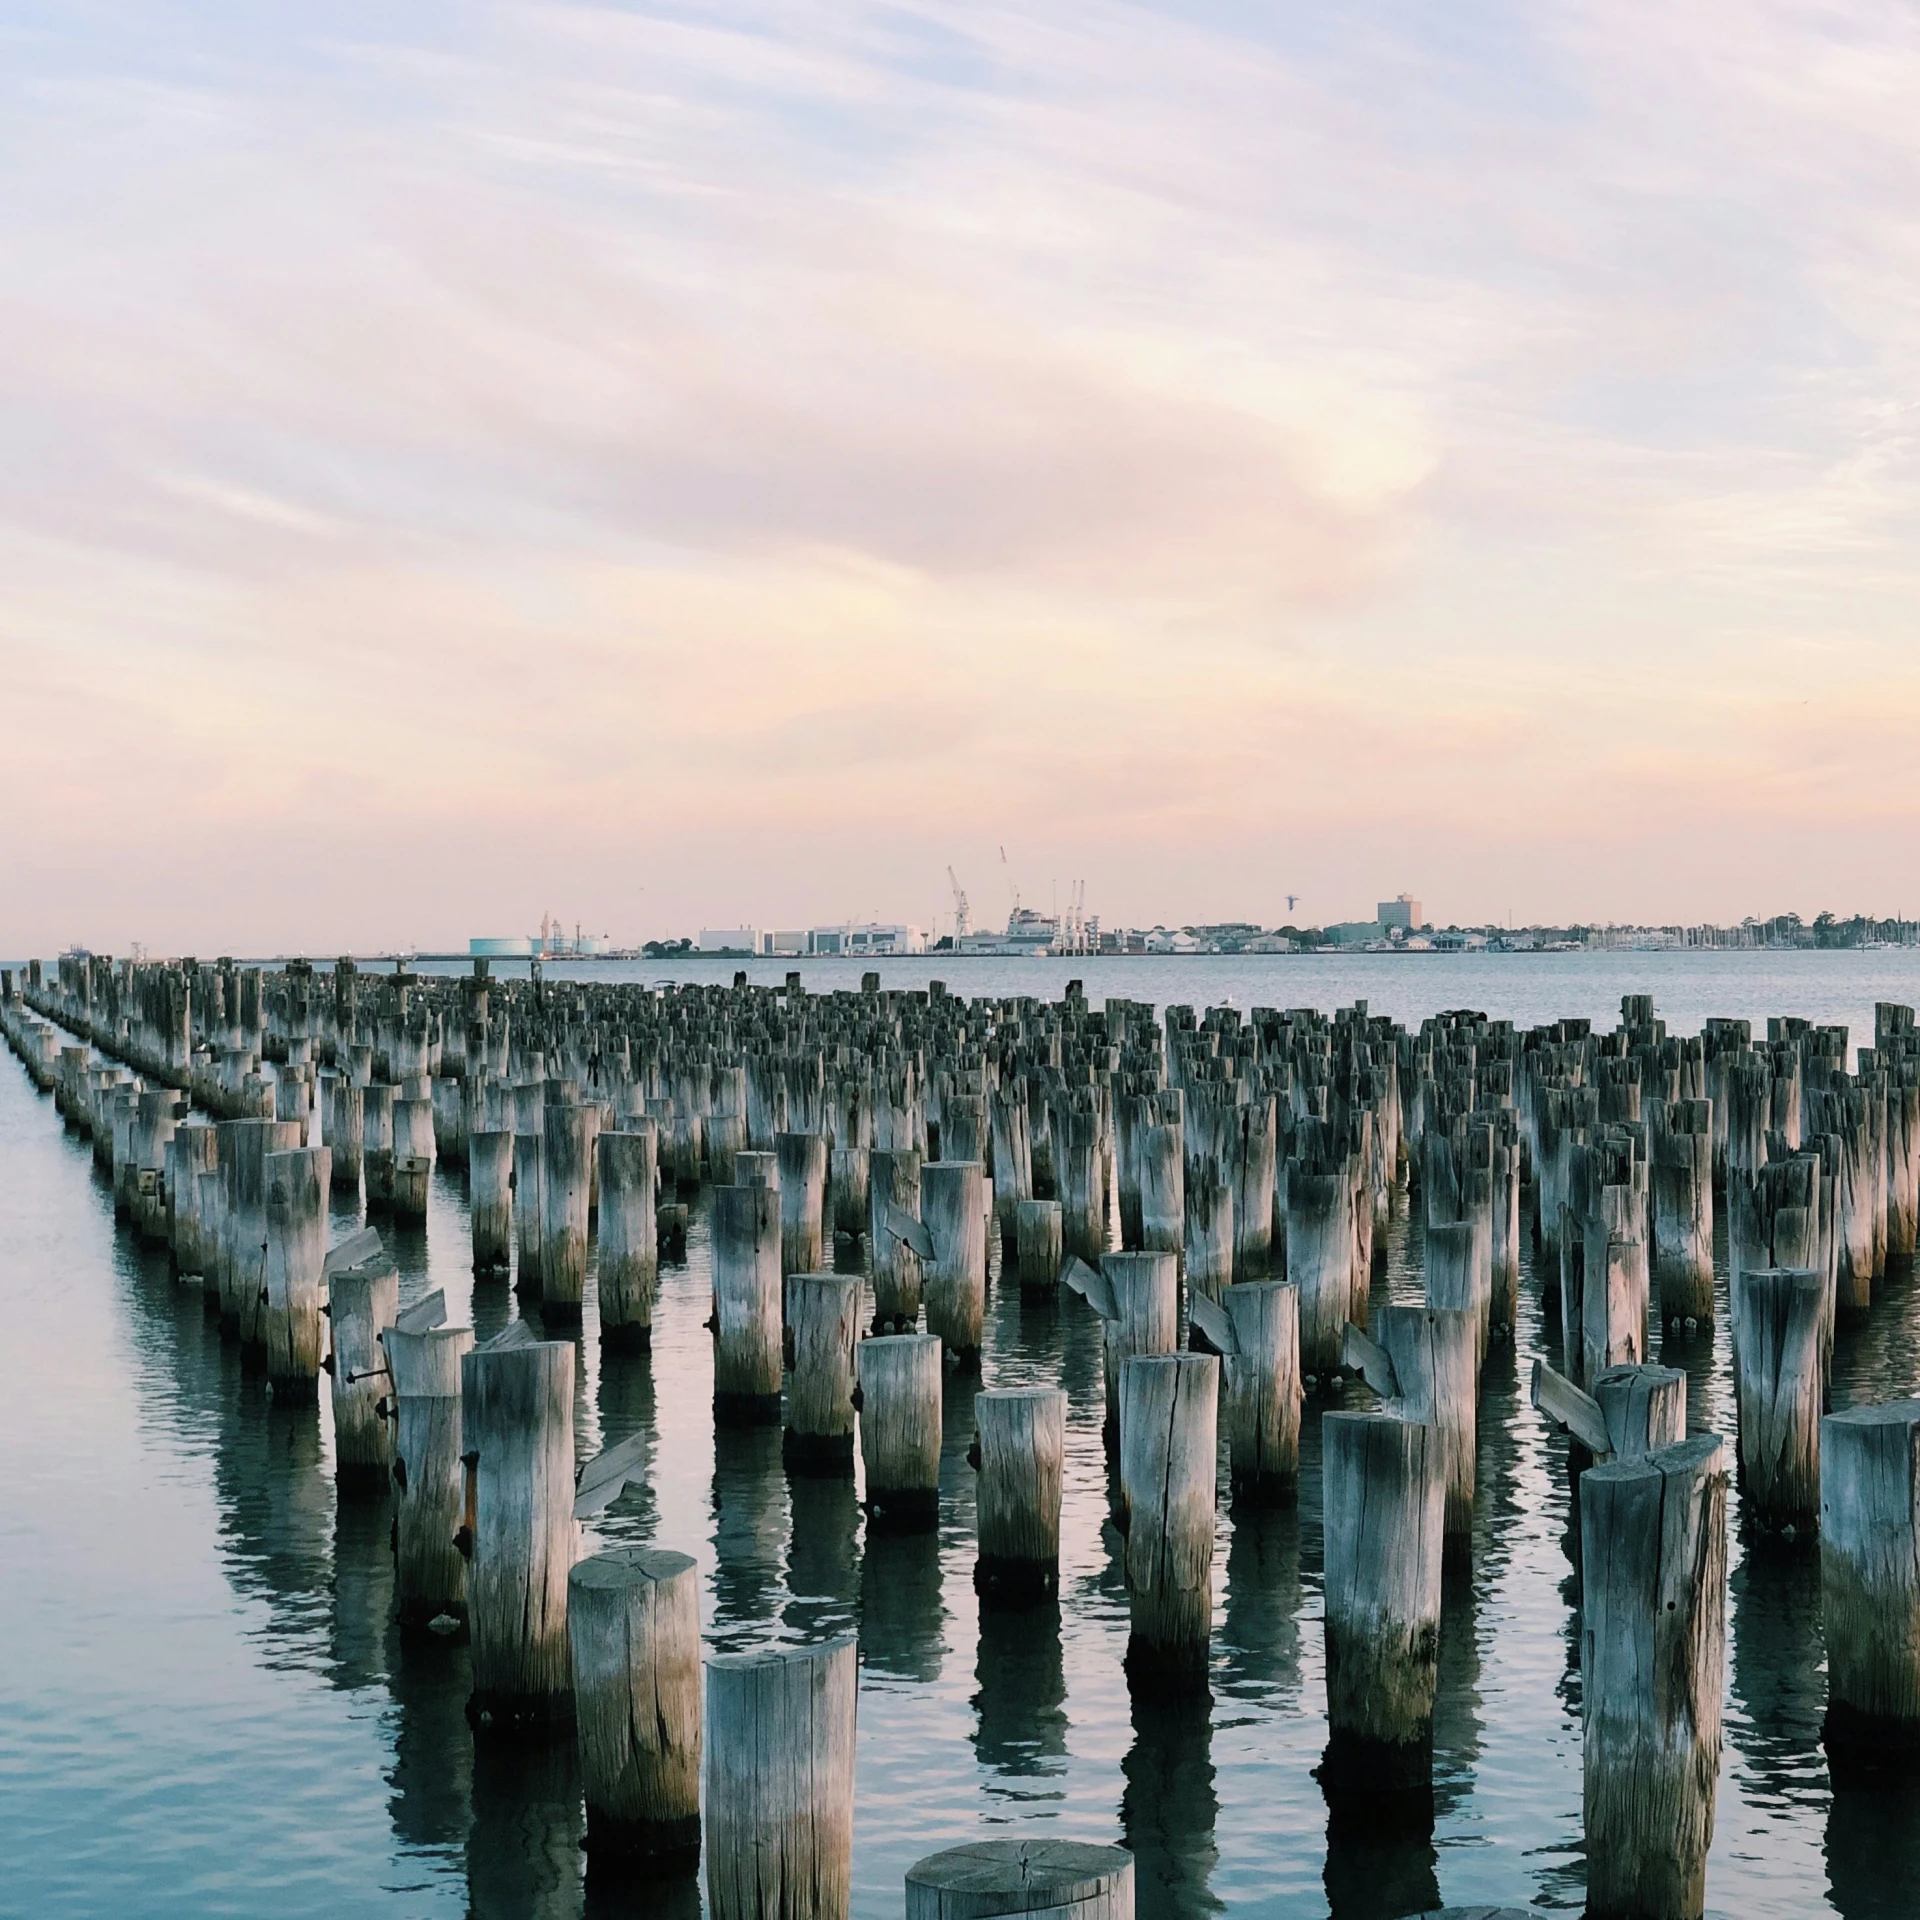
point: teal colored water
(203, 1710)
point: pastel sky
(725, 462)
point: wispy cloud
(768, 450)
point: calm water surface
(203, 1709)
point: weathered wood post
(516, 1409)
(803, 1193)
(413, 1150)
(1255, 1327)
(566, 1150)
(345, 1124)
(1682, 1185)
(1038, 1246)
(297, 1187)
(1163, 1189)
(900, 1413)
(1060, 1879)
(1652, 1655)
(823, 1310)
(629, 1255)
(429, 1571)
(1320, 1264)
(1145, 1291)
(1870, 1591)
(1021, 1445)
(1168, 1446)
(1210, 1237)
(746, 1298)
(1777, 1314)
(363, 1301)
(780, 1744)
(376, 1144)
(490, 1196)
(953, 1209)
(529, 1211)
(893, 1183)
(633, 1621)
(1385, 1517)
(1613, 1305)
(1433, 1351)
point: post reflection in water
(1169, 1806)
(1020, 1730)
(523, 1845)
(823, 1574)
(749, 1532)
(1259, 1648)
(625, 1405)
(902, 1612)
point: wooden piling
(1652, 1658)
(297, 1187)
(893, 1183)
(1870, 1591)
(516, 1397)
(363, 1301)
(490, 1199)
(633, 1622)
(1058, 1879)
(779, 1783)
(629, 1252)
(1145, 1291)
(1022, 1435)
(566, 1150)
(953, 1209)
(1384, 1520)
(1168, 1425)
(429, 1571)
(747, 1300)
(900, 1417)
(1038, 1248)
(823, 1310)
(1777, 1314)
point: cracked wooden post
(779, 1780)
(1145, 1291)
(1320, 1259)
(1060, 1879)
(1433, 1351)
(803, 1194)
(376, 1144)
(629, 1247)
(297, 1185)
(1169, 1421)
(1038, 1242)
(953, 1208)
(1385, 1517)
(1255, 1328)
(1777, 1314)
(1021, 1439)
(363, 1301)
(1210, 1239)
(516, 1397)
(633, 1621)
(824, 1310)
(429, 1571)
(1652, 1658)
(893, 1182)
(566, 1159)
(490, 1199)
(412, 1158)
(746, 1300)
(1682, 1182)
(900, 1414)
(1870, 1591)
(1458, 1263)
(345, 1122)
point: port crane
(960, 924)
